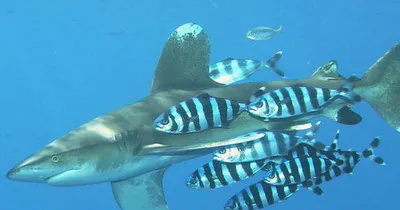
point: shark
(122, 147)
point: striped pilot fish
(350, 160)
(231, 70)
(302, 103)
(216, 174)
(297, 170)
(260, 195)
(266, 144)
(198, 114)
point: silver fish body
(262, 33)
(198, 114)
(231, 70)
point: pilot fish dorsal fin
(227, 59)
(184, 61)
(327, 70)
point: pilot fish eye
(165, 121)
(259, 104)
(55, 159)
(222, 151)
(193, 181)
(271, 176)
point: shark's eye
(165, 121)
(259, 104)
(222, 151)
(55, 159)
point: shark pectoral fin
(344, 115)
(142, 192)
(380, 87)
(327, 70)
(184, 62)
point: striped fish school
(231, 70)
(216, 174)
(269, 144)
(301, 102)
(198, 114)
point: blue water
(63, 64)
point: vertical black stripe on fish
(286, 171)
(295, 172)
(247, 169)
(233, 171)
(313, 97)
(209, 175)
(219, 172)
(266, 145)
(316, 162)
(281, 143)
(254, 151)
(256, 196)
(198, 177)
(287, 101)
(277, 102)
(257, 94)
(222, 107)
(268, 192)
(306, 168)
(235, 108)
(228, 67)
(193, 113)
(281, 192)
(327, 94)
(208, 111)
(185, 118)
(300, 98)
(247, 199)
(174, 126)
(237, 202)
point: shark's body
(123, 148)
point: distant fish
(198, 114)
(216, 174)
(262, 33)
(231, 70)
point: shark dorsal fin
(327, 70)
(184, 62)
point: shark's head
(47, 169)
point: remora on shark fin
(106, 149)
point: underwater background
(63, 63)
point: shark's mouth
(64, 178)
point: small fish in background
(198, 114)
(231, 70)
(216, 174)
(262, 33)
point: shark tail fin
(370, 152)
(272, 64)
(380, 87)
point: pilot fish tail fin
(380, 87)
(272, 64)
(309, 137)
(370, 152)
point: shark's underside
(122, 147)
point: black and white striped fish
(260, 195)
(216, 174)
(266, 144)
(303, 103)
(297, 171)
(198, 114)
(231, 70)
